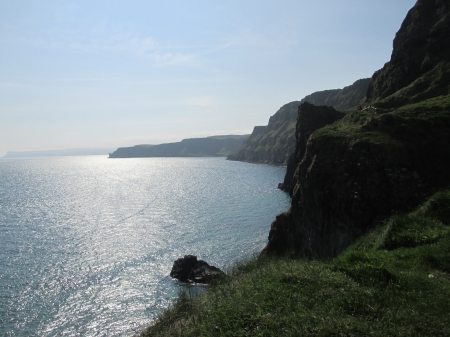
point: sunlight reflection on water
(88, 242)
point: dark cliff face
(342, 99)
(356, 172)
(420, 63)
(310, 118)
(274, 143)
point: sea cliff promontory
(214, 146)
(356, 172)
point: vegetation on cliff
(395, 281)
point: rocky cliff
(348, 176)
(419, 67)
(215, 146)
(271, 144)
(342, 99)
(274, 143)
(356, 172)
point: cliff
(215, 146)
(356, 172)
(342, 99)
(274, 143)
(347, 177)
(271, 144)
(419, 67)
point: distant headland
(214, 146)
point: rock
(190, 269)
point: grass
(441, 103)
(392, 282)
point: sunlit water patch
(87, 243)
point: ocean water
(87, 243)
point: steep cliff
(342, 99)
(274, 143)
(310, 118)
(358, 171)
(271, 144)
(215, 146)
(419, 67)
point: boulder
(190, 269)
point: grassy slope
(393, 281)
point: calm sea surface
(87, 243)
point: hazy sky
(120, 73)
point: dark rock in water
(190, 269)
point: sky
(107, 73)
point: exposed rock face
(189, 269)
(271, 144)
(356, 172)
(420, 63)
(310, 118)
(274, 143)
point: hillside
(215, 146)
(274, 143)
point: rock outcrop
(190, 269)
(274, 143)
(419, 67)
(356, 172)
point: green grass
(392, 282)
(441, 103)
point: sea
(87, 243)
